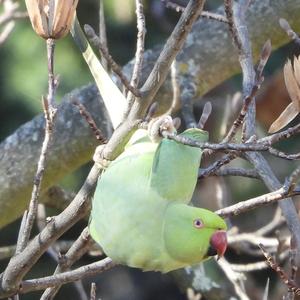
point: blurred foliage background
(23, 79)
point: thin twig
(250, 267)
(232, 172)
(79, 248)
(95, 40)
(102, 34)
(226, 159)
(49, 112)
(256, 266)
(204, 14)
(70, 276)
(228, 5)
(277, 137)
(259, 201)
(244, 147)
(289, 31)
(265, 54)
(92, 124)
(253, 238)
(292, 179)
(282, 274)
(247, 66)
(60, 246)
(41, 220)
(139, 54)
(235, 13)
(213, 16)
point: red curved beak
(218, 242)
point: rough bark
(207, 59)
(73, 145)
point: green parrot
(140, 213)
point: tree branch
(247, 205)
(70, 276)
(74, 146)
(20, 264)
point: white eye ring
(198, 223)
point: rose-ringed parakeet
(140, 215)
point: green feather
(175, 167)
(132, 216)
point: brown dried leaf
(36, 18)
(64, 15)
(291, 83)
(286, 117)
(297, 72)
(51, 18)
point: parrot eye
(198, 223)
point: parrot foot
(99, 159)
(157, 125)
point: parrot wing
(175, 167)
(127, 215)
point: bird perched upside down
(140, 213)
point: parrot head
(192, 234)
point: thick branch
(20, 264)
(73, 145)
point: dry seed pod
(292, 83)
(51, 18)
